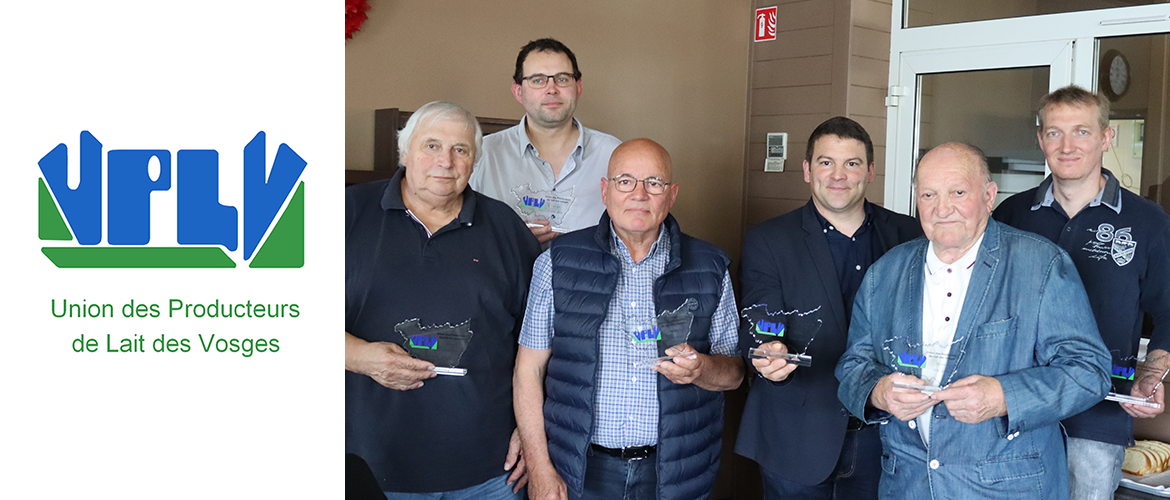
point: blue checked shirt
(626, 410)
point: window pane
(932, 12)
(1133, 73)
(993, 110)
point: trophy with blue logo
(930, 361)
(441, 345)
(1122, 375)
(550, 205)
(671, 328)
(795, 329)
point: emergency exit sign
(765, 26)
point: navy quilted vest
(690, 423)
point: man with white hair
(988, 320)
(436, 278)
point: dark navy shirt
(453, 432)
(1120, 244)
(852, 255)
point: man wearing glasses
(629, 297)
(546, 168)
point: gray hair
(432, 112)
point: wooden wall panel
(872, 14)
(796, 42)
(871, 43)
(867, 101)
(798, 127)
(793, 72)
(868, 72)
(791, 100)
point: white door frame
(1066, 43)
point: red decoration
(355, 15)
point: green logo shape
(138, 257)
(285, 246)
(434, 345)
(50, 223)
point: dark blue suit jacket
(796, 428)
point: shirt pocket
(992, 348)
(998, 469)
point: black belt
(855, 424)
(634, 453)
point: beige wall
(673, 71)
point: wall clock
(1114, 75)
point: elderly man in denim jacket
(989, 321)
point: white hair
(432, 112)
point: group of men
(480, 367)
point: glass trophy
(441, 345)
(796, 329)
(1124, 376)
(671, 328)
(548, 205)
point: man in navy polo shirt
(618, 295)
(1120, 243)
(436, 278)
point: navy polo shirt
(852, 255)
(453, 432)
(1120, 244)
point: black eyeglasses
(541, 81)
(627, 184)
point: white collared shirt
(944, 289)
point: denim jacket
(1025, 321)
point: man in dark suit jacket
(802, 269)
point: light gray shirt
(510, 170)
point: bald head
(954, 194)
(957, 153)
(642, 150)
(639, 191)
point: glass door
(979, 82)
(982, 96)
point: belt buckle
(635, 453)
(854, 424)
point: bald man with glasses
(546, 168)
(643, 346)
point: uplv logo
(1123, 372)
(204, 227)
(530, 201)
(424, 342)
(774, 328)
(911, 360)
(652, 334)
